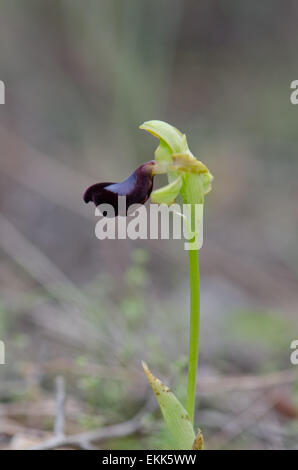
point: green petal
(188, 163)
(174, 413)
(163, 153)
(207, 179)
(168, 193)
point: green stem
(194, 330)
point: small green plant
(190, 179)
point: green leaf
(168, 193)
(174, 414)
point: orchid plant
(190, 179)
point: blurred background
(78, 315)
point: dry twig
(218, 385)
(60, 406)
(84, 440)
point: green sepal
(169, 134)
(167, 194)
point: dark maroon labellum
(136, 188)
